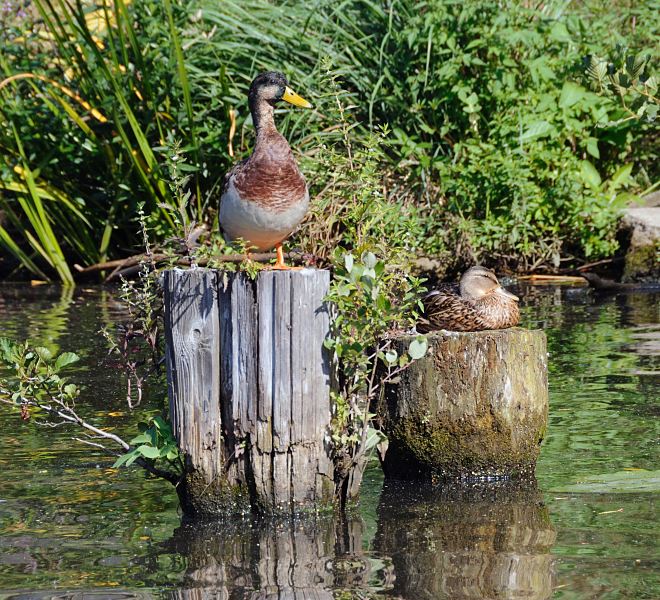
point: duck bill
(292, 98)
(502, 292)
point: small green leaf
(159, 422)
(559, 32)
(621, 176)
(125, 459)
(570, 94)
(65, 359)
(143, 438)
(592, 147)
(374, 437)
(148, 451)
(651, 112)
(7, 350)
(391, 356)
(369, 260)
(348, 262)
(418, 347)
(590, 175)
(44, 353)
(538, 129)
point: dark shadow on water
(478, 540)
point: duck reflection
(258, 559)
(485, 540)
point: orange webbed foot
(279, 263)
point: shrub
(496, 139)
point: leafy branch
(372, 302)
(629, 78)
(37, 389)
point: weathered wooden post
(475, 406)
(249, 387)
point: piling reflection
(482, 541)
(262, 559)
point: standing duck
(480, 302)
(265, 197)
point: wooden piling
(475, 406)
(249, 389)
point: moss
(475, 406)
(642, 263)
(444, 448)
(216, 499)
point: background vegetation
(491, 134)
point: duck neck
(263, 118)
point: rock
(475, 406)
(643, 255)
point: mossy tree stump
(249, 388)
(475, 406)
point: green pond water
(72, 527)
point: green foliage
(35, 376)
(371, 301)
(495, 119)
(352, 211)
(37, 388)
(487, 114)
(155, 443)
(75, 162)
(628, 79)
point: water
(72, 527)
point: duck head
(478, 282)
(266, 90)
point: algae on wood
(475, 406)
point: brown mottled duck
(480, 302)
(265, 197)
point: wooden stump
(249, 387)
(475, 406)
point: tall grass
(472, 93)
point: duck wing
(445, 309)
(233, 172)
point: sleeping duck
(265, 197)
(480, 302)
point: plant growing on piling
(372, 300)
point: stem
(69, 415)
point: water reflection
(71, 527)
(485, 540)
(261, 559)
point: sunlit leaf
(348, 262)
(571, 93)
(65, 359)
(148, 451)
(589, 174)
(418, 347)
